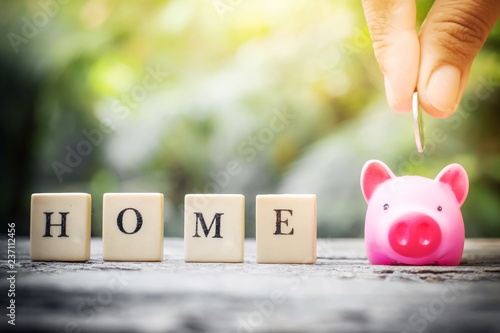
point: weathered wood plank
(341, 293)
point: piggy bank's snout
(415, 236)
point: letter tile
(286, 228)
(132, 226)
(214, 227)
(60, 227)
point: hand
(437, 62)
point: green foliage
(168, 93)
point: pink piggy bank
(414, 220)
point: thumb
(450, 38)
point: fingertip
(400, 72)
(436, 113)
(430, 109)
(443, 88)
(440, 95)
(400, 103)
(450, 38)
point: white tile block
(60, 227)
(286, 228)
(214, 227)
(132, 226)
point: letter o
(447, 299)
(113, 287)
(120, 221)
(234, 3)
(430, 147)
(439, 309)
(105, 300)
(216, 188)
(43, 16)
(107, 126)
(416, 158)
(267, 132)
(84, 152)
(258, 316)
(139, 93)
(471, 107)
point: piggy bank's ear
(455, 176)
(373, 174)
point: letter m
(206, 231)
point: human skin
(435, 62)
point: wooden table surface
(342, 292)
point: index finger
(392, 26)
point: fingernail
(443, 88)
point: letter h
(62, 224)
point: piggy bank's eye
(440, 208)
(386, 206)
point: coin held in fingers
(418, 124)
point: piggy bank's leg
(452, 259)
(379, 259)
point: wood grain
(340, 293)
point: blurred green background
(165, 96)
